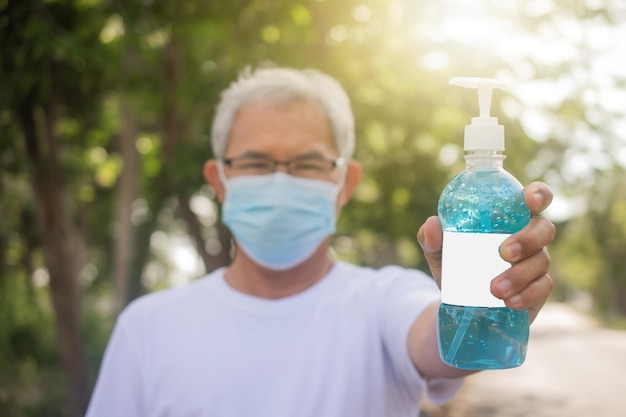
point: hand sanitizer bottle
(479, 209)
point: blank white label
(470, 262)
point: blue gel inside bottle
(484, 198)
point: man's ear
(212, 176)
(353, 178)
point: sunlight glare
(472, 30)
(186, 261)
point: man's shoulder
(175, 298)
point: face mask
(279, 220)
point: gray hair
(284, 85)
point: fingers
(547, 287)
(527, 284)
(533, 297)
(511, 283)
(538, 196)
(539, 233)
(430, 238)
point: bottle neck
(484, 159)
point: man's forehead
(282, 150)
(281, 104)
(296, 128)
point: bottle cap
(484, 132)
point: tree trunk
(194, 228)
(173, 66)
(63, 249)
(224, 257)
(124, 230)
(616, 276)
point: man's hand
(527, 284)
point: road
(574, 368)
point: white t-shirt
(338, 349)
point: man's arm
(527, 284)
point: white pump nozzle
(484, 133)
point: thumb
(430, 238)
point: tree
(50, 82)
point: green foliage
(579, 264)
(31, 380)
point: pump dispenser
(479, 208)
(484, 132)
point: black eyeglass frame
(334, 163)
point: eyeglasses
(315, 167)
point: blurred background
(105, 114)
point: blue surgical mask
(279, 220)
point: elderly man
(287, 330)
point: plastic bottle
(479, 209)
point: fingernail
(514, 251)
(515, 300)
(504, 286)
